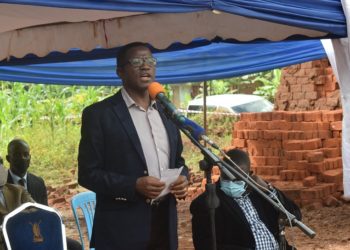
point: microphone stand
(211, 198)
(233, 171)
(282, 233)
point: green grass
(219, 130)
(48, 118)
(53, 157)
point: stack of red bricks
(308, 86)
(299, 152)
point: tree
(270, 81)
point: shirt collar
(16, 178)
(129, 101)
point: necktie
(22, 182)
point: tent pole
(205, 93)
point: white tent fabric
(24, 34)
(338, 52)
(16, 16)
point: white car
(231, 103)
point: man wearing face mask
(244, 219)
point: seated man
(18, 156)
(11, 197)
(244, 219)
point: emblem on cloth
(37, 237)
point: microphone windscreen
(154, 89)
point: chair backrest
(86, 201)
(34, 226)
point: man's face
(137, 77)
(246, 169)
(19, 158)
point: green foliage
(217, 87)
(48, 117)
(270, 81)
(52, 158)
(219, 130)
(168, 91)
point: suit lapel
(9, 178)
(29, 183)
(9, 199)
(122, 112)
(3, 209)
(234, 208)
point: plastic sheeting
(212, 61)
(324, 15)
(338, 51)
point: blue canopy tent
(208, 35)
(74, 42)
(212, 61)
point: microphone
(156, 91)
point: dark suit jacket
(110, 161)
(232, 229)
(36, 188)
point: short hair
(14, 142)
(122, 52)
(238, 156)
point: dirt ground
(332, 227)
(331, 224)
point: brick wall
(308, 86)
(299, 152)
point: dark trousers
(160, 226)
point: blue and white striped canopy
(75, 42)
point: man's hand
(179, 187)
(149, 186)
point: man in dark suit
(244, 219)
(18, 156)
(126, 144)
(11, 197)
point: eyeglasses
(139, 61)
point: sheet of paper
(168, 176)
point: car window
(256, 106)
(200, 108)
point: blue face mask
(233, 189)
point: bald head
(15, 143)
(18, 156)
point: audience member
(18, 156)
(11, 197)
(244, 219)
